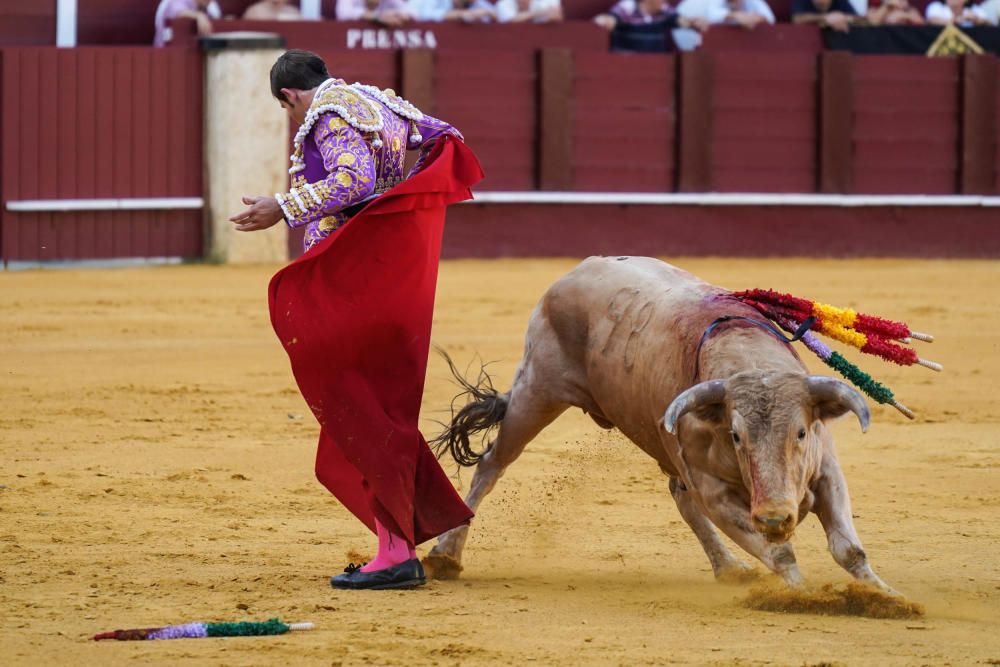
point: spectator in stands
(747, 14)
(202, 11)
(387, 12)
(991, 10)
(834, 14)
(641, 25)
(522, 11)
(959, 12)
(893, 12)
(272, 10)
(465, 11)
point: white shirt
(507, 9)
(434, 10)
(942, 12)
(713, 11)
(169, 9)
(716, 11)
(860, 6)
(990, 9)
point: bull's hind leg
(528, 412)
(726, 567)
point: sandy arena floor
(156, 468)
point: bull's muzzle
(776, 523)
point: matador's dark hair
(302, 70)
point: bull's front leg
(833, 507)
(732, 517)
(725, 566)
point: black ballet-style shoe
(409, 574)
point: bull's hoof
(441, 567)
(738, 573)
(876, 582)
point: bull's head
(772, 424)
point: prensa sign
(383, 38)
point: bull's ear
(704, 399)
(832, 398)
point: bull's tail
(482, 413)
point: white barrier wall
(246, 146)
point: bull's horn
(828, 389)
(705, 393)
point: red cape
(354, 315)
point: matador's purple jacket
(349, 150)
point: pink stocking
(392, 550)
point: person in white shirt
(202, 11)
(955, 11)
(991, 10)
(894, 12)
(466, 11)
(521, 11)
(393, 13)
(272, 10)
(745, 13)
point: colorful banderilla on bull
(197, 630)
(868, 333)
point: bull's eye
(802, 433)
(736, 437)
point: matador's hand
(264, 212)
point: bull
(700, 383)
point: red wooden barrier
(780, 38)
(131, 22)
(368, 36)
(623, 122)
(27, 23)
(93, 123)
(549, 230)
(996, 131)
(978, 125)
(126, 123)
(764, 122)
(906, 125)
(494, 105)
(377, 68)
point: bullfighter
(354, 312)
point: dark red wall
(26, 22)
(33, 22)
(494, 106)
(126, 122)
(624, 121)
(536, 230)
(128, 21)
(763, 122)
(114, 122)
(378, 68)
(906, 125)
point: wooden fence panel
(27, 22)
(764, 122)
(624, 121)
(114, 123)
(906, 132)
(493, 103)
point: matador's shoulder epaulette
(357, 110)
(390, 99)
